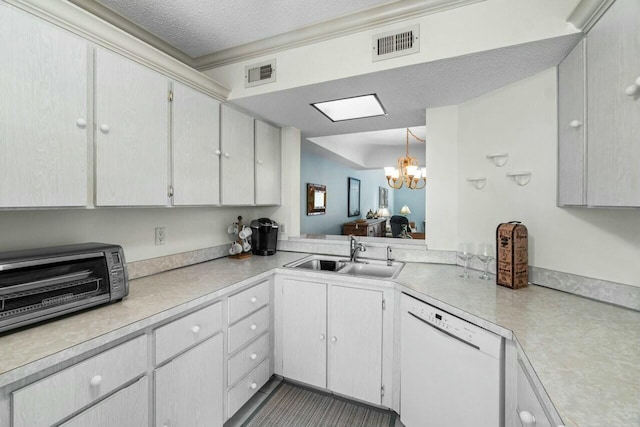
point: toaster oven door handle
(44, 261)
(46, 282)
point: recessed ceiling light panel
(357, 107)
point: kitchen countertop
(586, 353)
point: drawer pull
(253, 386)
(254, 299)
(195, 329)
(527, 418)
(253, 327)
(254, 356)
(95, 381)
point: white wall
(521, 119)
(134, 228)
(441, 200)
(474, 28)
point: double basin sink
(362, 267)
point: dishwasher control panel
(453, 326)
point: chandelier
(408, 172)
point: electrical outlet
(283, 228)
(161, 237)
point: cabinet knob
(81, 123)
(254, 300)
(254, 356)
(195, 329)
(321, 337)
(631, 90)
(104, 128)
(253, 327)
(253, 386)
(218, 152)
(575, 124)
(95, 381)
(527, 418)
(227, 155)
(260, 162)
(334, 339)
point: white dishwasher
(451, 370)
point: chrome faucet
(389, 259)
(355, 248)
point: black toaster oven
(39, 284)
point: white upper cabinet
(571, 128)
(195, 147)
(132, 135)
(43, 113)
(237, 161)
(613, 105)
(267, 164)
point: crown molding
(117, 20)
(102, 33)
(386, 14)
(587, 13)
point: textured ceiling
(406, 92)
(199, 27)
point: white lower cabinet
(58, 396)
(189, 389)
(304, 331)
(529, 410)
(248, 344)
(127, 408)
(526, 404)
(332, 337)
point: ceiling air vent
(392, 44)
(259, 74)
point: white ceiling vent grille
(259, 74)
(392, 44)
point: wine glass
(485, 254)
(465, 253)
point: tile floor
(244, 412)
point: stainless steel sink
(362, 268)
(373, 268)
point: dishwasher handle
(447, 333)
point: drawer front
(127, 408)
(528, 402)
(248, 301)
(247, 358)
(181, 334)
(248, 328)
(247, 387)
(48, 401)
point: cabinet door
(43, 113)
(127, 408)
(355, 344)
(189, 389)
(613, 125)
(132, 137)
(529, 410)
(237, 167)
(267, 164)
(304, 329)
(196, 147)
(571, 135)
